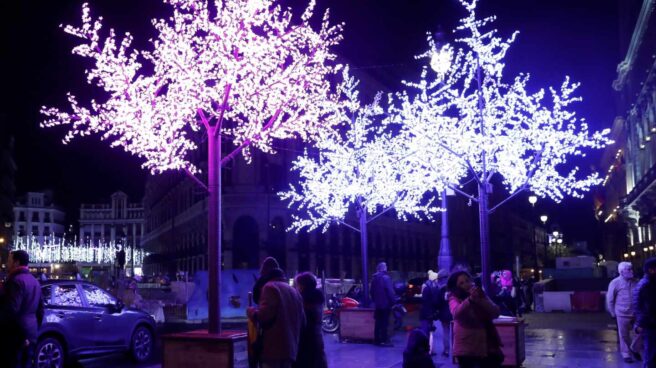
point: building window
(35, 230)
(35, 217)
(47, 217)
(46, 231)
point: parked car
(81, 319)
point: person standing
(443, 313)
(22, 310)
(269, 264)
(619, 299)
(311, 352)
(644, 306)
(429, 304)
(281, 317)
(382, 294)
(476, 342)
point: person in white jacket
(618, 299)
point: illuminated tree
(464, 107)
(246, 69)
(359, 169)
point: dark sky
(579, 38)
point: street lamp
(442, 55)
(532, 200)
(555, 233)
(2, 240)
(544, 219)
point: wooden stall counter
(197, 349)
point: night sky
(579, 38)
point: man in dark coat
(382, 294)
(644, 307)
(22, 310)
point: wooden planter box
(511, 333)
(357, 325)
(198, 349)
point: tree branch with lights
(491, 125)
(359, 170)
(245, 70)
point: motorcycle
(330, 318)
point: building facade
(116, 222)
(627, 204)
(255, 223)
(35, 215)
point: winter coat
(416, 354)
(311, 348)
(644, 303)
(619, 297)
(22, 305)
(443, 312)
(281, 317)
(474, 334)
(382, 291)
(429, 301)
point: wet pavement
(552, 340)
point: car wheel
(141, 347)
(49, 353)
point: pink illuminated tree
(248, 70)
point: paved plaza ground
(552, 340)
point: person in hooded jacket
(644, 306)
(269, 264)
(416, 353)
(311, 352)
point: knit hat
(432, 276)
(268, 265)
(650, 263)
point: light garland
(251, 65)
(58, 250)
(526, 140)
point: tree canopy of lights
(505, 130)
(360, 169)
(251, 65)
(357, 166)
(247, 70)
(491, 125)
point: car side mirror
(118, 307)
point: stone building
(118, 222)
(35, 215)
(255, 223)
(627, 204)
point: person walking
(443, 313)
(22, 311)
(476, 342)
(382, 294)
(619, 299)
(281, 317)
(644, 307)
(311, 352)
(429, 304)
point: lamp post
(544, 219)
(532, 200)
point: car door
(75, 320)
(110, 322)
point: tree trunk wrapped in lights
(245, 70)
(462, 106)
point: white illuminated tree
(359, 170)
(491, 125)
(248, 70)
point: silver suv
(82, 319)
